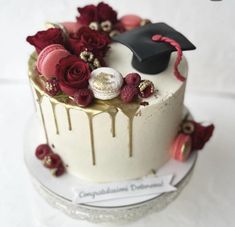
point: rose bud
(42, 150)
(52, 161)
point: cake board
(58, 192)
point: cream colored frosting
(98, 146)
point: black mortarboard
(149, 56)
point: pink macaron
(130, 21)
(181, 147)
(71, 27)
(49, 57)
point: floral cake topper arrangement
(69, 54)
(70, 64)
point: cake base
(59, 194)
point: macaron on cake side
(182, 147)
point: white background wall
(210, 25)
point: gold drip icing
(99, 106)
(112, 113)
(39, 99)
(130, 111)
(90, 119)
(130, 127)
(69, 118)
(53, 105)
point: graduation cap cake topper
(152, 46)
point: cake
(110, 96)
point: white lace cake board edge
(57, 191)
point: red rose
(105, 12)
(43, 39)
(89, 39)
(201, 135)
(73, 74)
(87, 14)
(75, 46)
(99, 13)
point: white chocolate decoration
(105, 83)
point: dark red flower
(88, 14)
(89, 39)
(43, 39)
(73, 74)
(106, 12)
(75, 46)
(201, 135)
(99, 13)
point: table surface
(209, 198)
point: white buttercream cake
(111, 108)
(96, 145)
